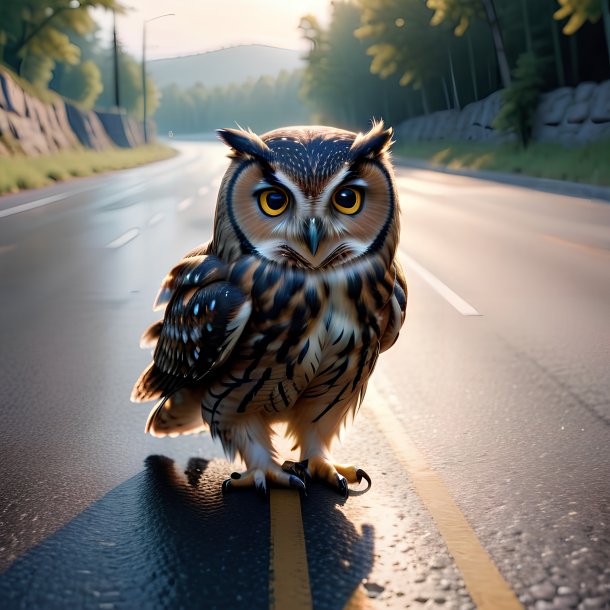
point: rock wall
(574, 115)
(471, 123)
(570, 115)
(88, 128)
(124, 130)
(29, 125)
(32, 127)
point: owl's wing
(193, 270)
(396, 307)
(202, 323)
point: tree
(261, 104)
(38, 70)
(37, 31)
(521, 98)
(580, 11)
(462, 12)
(338, 84)
(100, 92)
(82, 83)
(405, 44)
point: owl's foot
(258, 478)
(336, 475)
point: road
(486, 430)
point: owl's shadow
(170, 539)
(232, 532)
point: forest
(261, 104)
(398, 59)
(55, 45)
(384, 58)
(403, 58)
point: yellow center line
(488, 589)
(358, 601)
(288, 572)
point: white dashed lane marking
(185, 203)
(124, 239)
(157, 218)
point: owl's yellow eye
(347, 200)
(273, 201)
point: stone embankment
(569, 115)
(32, 127)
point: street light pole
(115, 50)
(144, 82)
(144, 71)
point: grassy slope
(20, 172)
(587, 164)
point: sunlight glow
(206, 26)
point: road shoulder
(547, 185)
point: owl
(282, 316)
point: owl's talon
(361, 474)
(260, 479)
(297, 483)
(261, 490)
(297, 468)
(339, 476)
(342, 485)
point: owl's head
(311, 196)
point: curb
(547, 185)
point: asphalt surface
(511, 407)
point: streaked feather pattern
(261, 326)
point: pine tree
(521, 99)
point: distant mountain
(225, 66)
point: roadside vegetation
(587, 164)
(400, 59)
(261, 104)
(390, 59)
(55, 45)
(19, 172)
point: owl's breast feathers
(258, 335)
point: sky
(206, 25)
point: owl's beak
(313, 234)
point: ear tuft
(244, 142)
(373, 143)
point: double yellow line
(289, 574)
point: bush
(521, 98)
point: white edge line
(185, 203)
(32, 205)
(466, 309)
(24, 207)
(124, 239)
